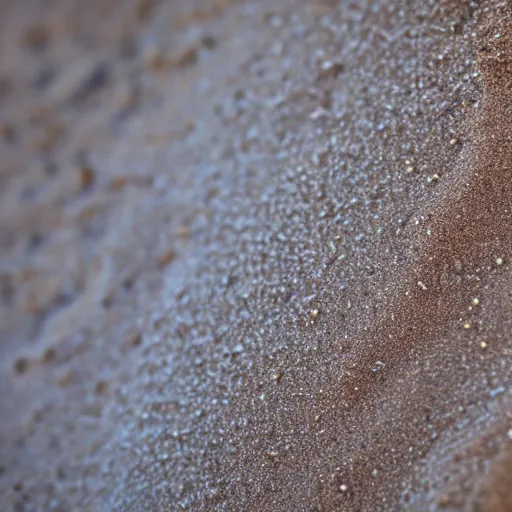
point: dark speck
(44, 78)
(5, 87)
(94, 81)
(209, 42)
(21, 365)
(128, 284)
(35, 240)
(8, 133)
(36, 38)
(107, 302)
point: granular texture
(256, 255)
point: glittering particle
(379, 365)
(467, 325)
(237, 349)
(409, 170)
(509, 434)
(476, 301)
(433, 178)
(483, 344)
(319, 113)
(422, 286)
(343, 487)
(499, 261)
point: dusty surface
(255, 255)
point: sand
(256, 255)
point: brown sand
(256, 256)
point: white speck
(509, 434)
(319, 113)
(343, 487)
(476, 301)
(497, 391)
(422, 286)
(499, 261)
(252, 133)
(276, 21)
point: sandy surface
(255, 255)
